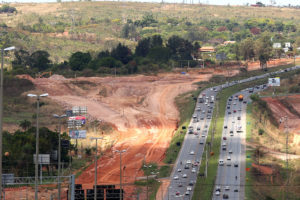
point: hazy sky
(215, 2)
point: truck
(200, 98)
(241, 97)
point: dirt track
(141, 108)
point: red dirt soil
(141, 107)
(279, 110)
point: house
(207, 49)
(276, 45)
(228, 42)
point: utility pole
(95, 186)
(206, 163)
(120, 152)
(37, 138)
(1, 112)
(59, 153)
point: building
(276, 45)
(228, 42)
(207, 49)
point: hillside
(64, 28)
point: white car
(189, 188)
(184, 176)
(221, 162)
(188, 162)
(228, 158)
(176, 177)
(217, 193)
(227, 187)
(194, 170)
(187, 193)
(198, 128)
(179, 170)
(230, 151)
(192, 153)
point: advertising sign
(8, 178)
(79, 110)
(274, 81)
(78, 118)
(77, 134)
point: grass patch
(153, 186)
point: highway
(186, 167)
(191, 152)
(230, 177)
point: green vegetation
(7, 9)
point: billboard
(77, 134)
(274, 81)
(78, 118)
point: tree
(180, 49)
(156, 41)
(21, 58)
(143, 47)
(122, 53)
(25, 125)
(161, 54)
(39, 60)
(263, 50)
(78, 61)
(247, 49)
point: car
(225, 196)
(218, 188)
(236, 165)
(224, 138)
(177, 193)
(217, 193)
(180, 185)
(239, 118)
(201, 118)
(194, 170)
(228, 163)
(236, 190)
(201, 142)
(189, 188)
(231, 134)
(221, 162)
(229, 113)
(228, 103)
(227, 187)
(198, 127)
(179, 170)
(203, 111)
(209, 111)
(244, 102)
(234, 103)
(229, 99)
(192, 153)
(234, 111)
(230, 151)
(205, 126)
(208, 117)
(187, 193)
(191, 183)
(225, 127)
(184, 176)
(186, 166)
(228, 107)
(188, 162)
(176, 177)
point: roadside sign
(77, 134)
(274, 81)
(8, 178)
(78, 118)
(44, 159)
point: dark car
(186, 167)
(229, 113)
(225, 196)
(225, 127)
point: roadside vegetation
(268, 177)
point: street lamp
(95, 190)
(121, 151)
(37, 140)
(59, 151)
(1, 113)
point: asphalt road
(231, 173)
(179, 184)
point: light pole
(37, 140)
(59, 151)
(95, 190)
(1, 113)
(121, 151)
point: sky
(213, 2)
